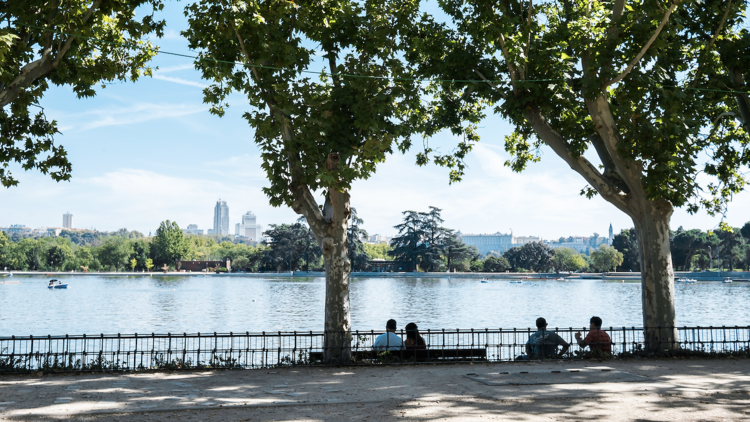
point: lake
(139, 304)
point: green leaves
(79, 43)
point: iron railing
(247, 350)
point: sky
(149, 151)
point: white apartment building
(67, 220)
(192, 229)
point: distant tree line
(727, 248)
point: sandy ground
(653, 390)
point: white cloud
(135, 113)
(178, 80)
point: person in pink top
(596, 339)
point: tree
(133, 264)
(115, 252)
(456, 251)
(315, 134)
(378, 251)
(684, 244)
(408, 245)
(657, 91)
(141, 252)
(149, 264)
(627, 243)
(566, 259)
(535, 256)
(240, 263)
(730, 242)
(289, 245)
(356, 247)
(434, 238)
(606, 258)
(169, 244)
(57, 255)
(494, 264)
(77, 43)
(745, 231)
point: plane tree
(646, 100)
(317, 134)
(77, 43)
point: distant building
(192, 229)
(522, 240)
(250, 226)
(377, 238)
(611, 235)
(486, 243)
(221, 218)
(67, 220)
(16, 228)
(211, 231)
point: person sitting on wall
(543, 343)
(596, 339)
(413, 339)
(389, 340)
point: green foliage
(606, 258)
(582, 76)
(534, 256)
(495, 264)
(566, 259)
(299, 121)
(421, 239)
(44, 43)
(456, 252)
(377, 251)
(57, 255)
(356, 247)
(684, 244)
(627, 243)
(290, 247)
(115, 252)
(169, 244)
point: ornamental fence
(129, 352)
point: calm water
(95, 305)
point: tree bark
(335, 253)
(657, 275)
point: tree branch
(580, 164)
(711, 44)
(42, 67)
(490, 83)
(511, 69)
(645, 47)
(528, 39)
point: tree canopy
(79, 43)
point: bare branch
(645, 47)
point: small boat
(516, 282)
(727, 280)
(484, 280)
(59, 285)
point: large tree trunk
(657, 275)
(338, 268)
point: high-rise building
(249, 227)
(221, 218)
(67, 220)
(611, 235)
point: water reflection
(222, 304)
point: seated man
(389, 340)
(596, 339)
(543, 343)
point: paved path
(631, 390)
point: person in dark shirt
(413, 339)
(596, 339)
(543, 343)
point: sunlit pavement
(611, 390)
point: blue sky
(150, 151)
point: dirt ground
(635, 390)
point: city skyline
(115, 185)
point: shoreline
(630, 277)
